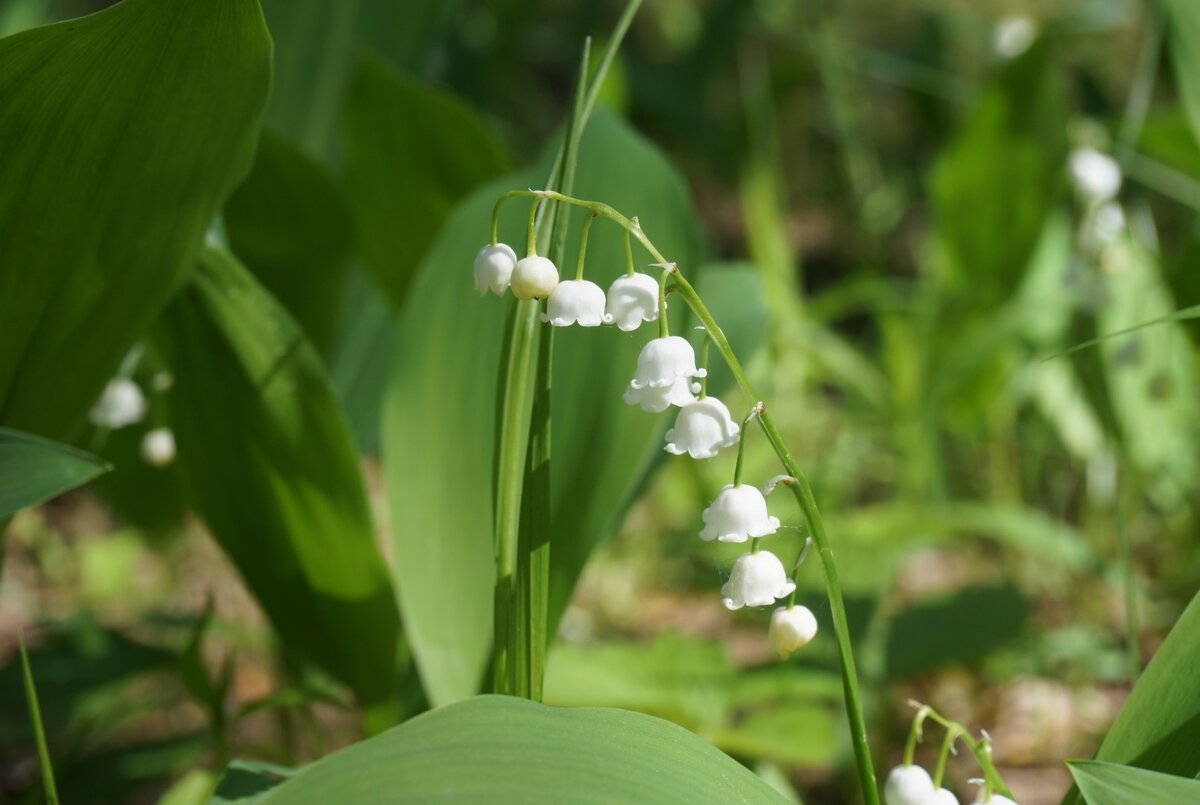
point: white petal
(576, 302)
(493, 268)
(736, 514)
(534, 277)
(632, 300)
(702, 429)
(908, 785)
(121, 404)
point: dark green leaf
(505, 750)
(268, 462)
(246, 782)
(33, 470)
(122, 132)
(290, 224)
(439, 422)
(1113, 784)
(411, 153)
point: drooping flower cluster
(909, 784)
(666, 375)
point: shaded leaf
(268, 462)
(33, 470)
(501, 749)
(1183, 32)
(122, 132)
(246, 782)
(290, 223)
(411, 153)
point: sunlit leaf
(1112, 784)
(501, 749)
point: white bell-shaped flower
(756, 580)
(665, 369)
(494, 265)
(736, 514)
(701, 429)
(908, 785)
(998, 799)
(121, 404)
(158, 447)
(1013, 36)
(534, 277)
(632, 299)
(791, 628)
(576, 302)
(943, 796)
(1097, 176)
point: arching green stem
(628, 254)
(583, 239)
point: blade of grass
(1183, 314)
(35, 718)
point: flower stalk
(801, 489)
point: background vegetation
(877, 200)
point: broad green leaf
(1158, 728)
(1113, 784)
(122, 133)
(1151, 374)
(268, 462)
(438, 422)
(290, 223)
(1183, 32)
(505, 750)
(317, 43)
(960, 627)
(33, 470)
(411, 153)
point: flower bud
(1097, 176)
(493, 268)
(158, 447)
(632, 299)
(791, 628)
(756, 580)
(908, 785)
(576, 302)
(701, 429)
(736, 514)
(121, 404)
(534, 277)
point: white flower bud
(1013, 36)
(121, 404)
(665, 369)
(493, 268)
(576, 301)
(908, 785)
(1097, 176)
(534, 278)
(756, 580)
(791, 628)
(701, 429)
(158, 447)
(736, 514)
(633, 299)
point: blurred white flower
(737, 514)
(121, 404)
(701, 429)
(757, 579)
(633, 299)
(1108, 222)
(158, 447)
(1013, 36)
(791, 628)
(494, 265)
(576, 302)
(665, 369)
(943, 797)
(1097, 176)
(162, 381)
(908, 785)
(534, 277)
